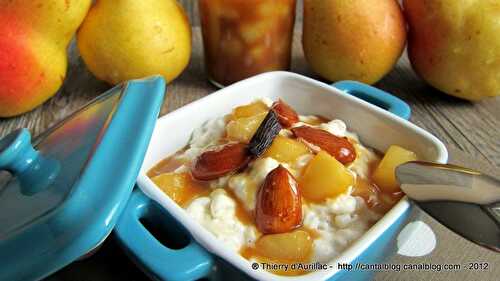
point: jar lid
(60, 196)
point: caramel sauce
(244, 216)
(244, 38)
(366, 190)
(248, 252)
(318, 121)
(375, 199)
(168, 164)
(181, 187)
(194, 189)
(191, 188)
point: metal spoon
(464, 200)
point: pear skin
(455, 45)
(127, 39)
(33, 43)
(353, 39)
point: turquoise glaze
(34, 171)
(193, 262)
(376, 96)
(90, 205)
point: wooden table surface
(464, 127)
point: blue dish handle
(34, 171)
(189, 263)
(375, 96)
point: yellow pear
(353, 39)
(455, 45)
(126, 39)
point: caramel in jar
(243, 38)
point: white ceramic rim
(213, 245)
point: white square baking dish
(375, 126)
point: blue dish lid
(61, 195)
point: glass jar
(242, 38)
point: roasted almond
(220, 161)
(279, 204)
(265, 134)
(338, 147)
(286, 115)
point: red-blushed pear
(34, 36)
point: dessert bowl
(378, 119)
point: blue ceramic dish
(66, 192)
(378, 118)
